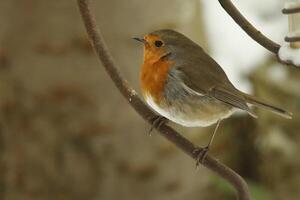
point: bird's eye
(158, 43)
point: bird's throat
(153, 76)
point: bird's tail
(258, 103)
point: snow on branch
(290, 55)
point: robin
(182, 83)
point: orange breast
(153, 76)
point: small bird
(182, 83)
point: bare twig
(292, 39)
(248, 27)
(253, 32)
(129, 93)
(290, 10)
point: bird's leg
(203, 152)
(157, 121)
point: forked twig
(129, 93)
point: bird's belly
(200, 112)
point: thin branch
(248, 27)
(129, 93)
(290, 10)
(292, 39)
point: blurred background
(67, 133)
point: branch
(129, 93)
(290, 10)
(255, 34)
(248, 27)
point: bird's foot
(201, 155)
(157, 121)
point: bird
(185, 85)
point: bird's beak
(140, 40)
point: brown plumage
(184, 84)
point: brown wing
(232, 99)
(204, 75)
(200, 73)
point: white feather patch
(181, 118)
(190, 90)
